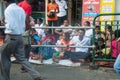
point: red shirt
(26, 6)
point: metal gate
(116, 25)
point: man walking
(13, 43)
(25, 5)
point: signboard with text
(91, 8)
(107, 6)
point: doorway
(76, 11)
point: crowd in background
(106, 43)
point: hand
(32, 23)
(118, 39)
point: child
(64, 40)
(99, 47)
(97, 34)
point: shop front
(78, 10)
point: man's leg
(60, 22)
(5, 54)
(27, 52)
(20, 56)
(117, 65)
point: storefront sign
(91, 8)
(106, 6)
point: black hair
(50, 1)
(41, 20)
(108, 27)
(82, 30)
(48, 32)
(67, 35)
(117, 33)
(97, 27)
(88, 23)
(10, 1)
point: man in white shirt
(40, 31)
(80, 53)
(62, 11)
(13, 44)
(59, 32)
(88, 32)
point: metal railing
(115, 24)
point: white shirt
(84, 42)
(66, 30)
(37, 27)
(58, 43)
(62, 6)
(14, 19)
(40, 31)
(89, 33)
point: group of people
(56, 12)
(61, 37)
(106, 42)
(106, 45)
(17, 19)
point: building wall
(0, 9)
(117, 10)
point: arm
(118, 39)
(8, 20)
(28, 14)
(57, 32)
(28, 21)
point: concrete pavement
(57, 72)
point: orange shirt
(65, 43)
(52, 7)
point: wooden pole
(70, 11)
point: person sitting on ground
(80, 54)
(97, 34)
(59, 32)
(35, 39)
(115, 44)
(64, 40)
(99, 47)
(88, 32)
(46, 52)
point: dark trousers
(61, 20)
(13, 44)
(76, 56)
(52, 23)
(27, 50)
